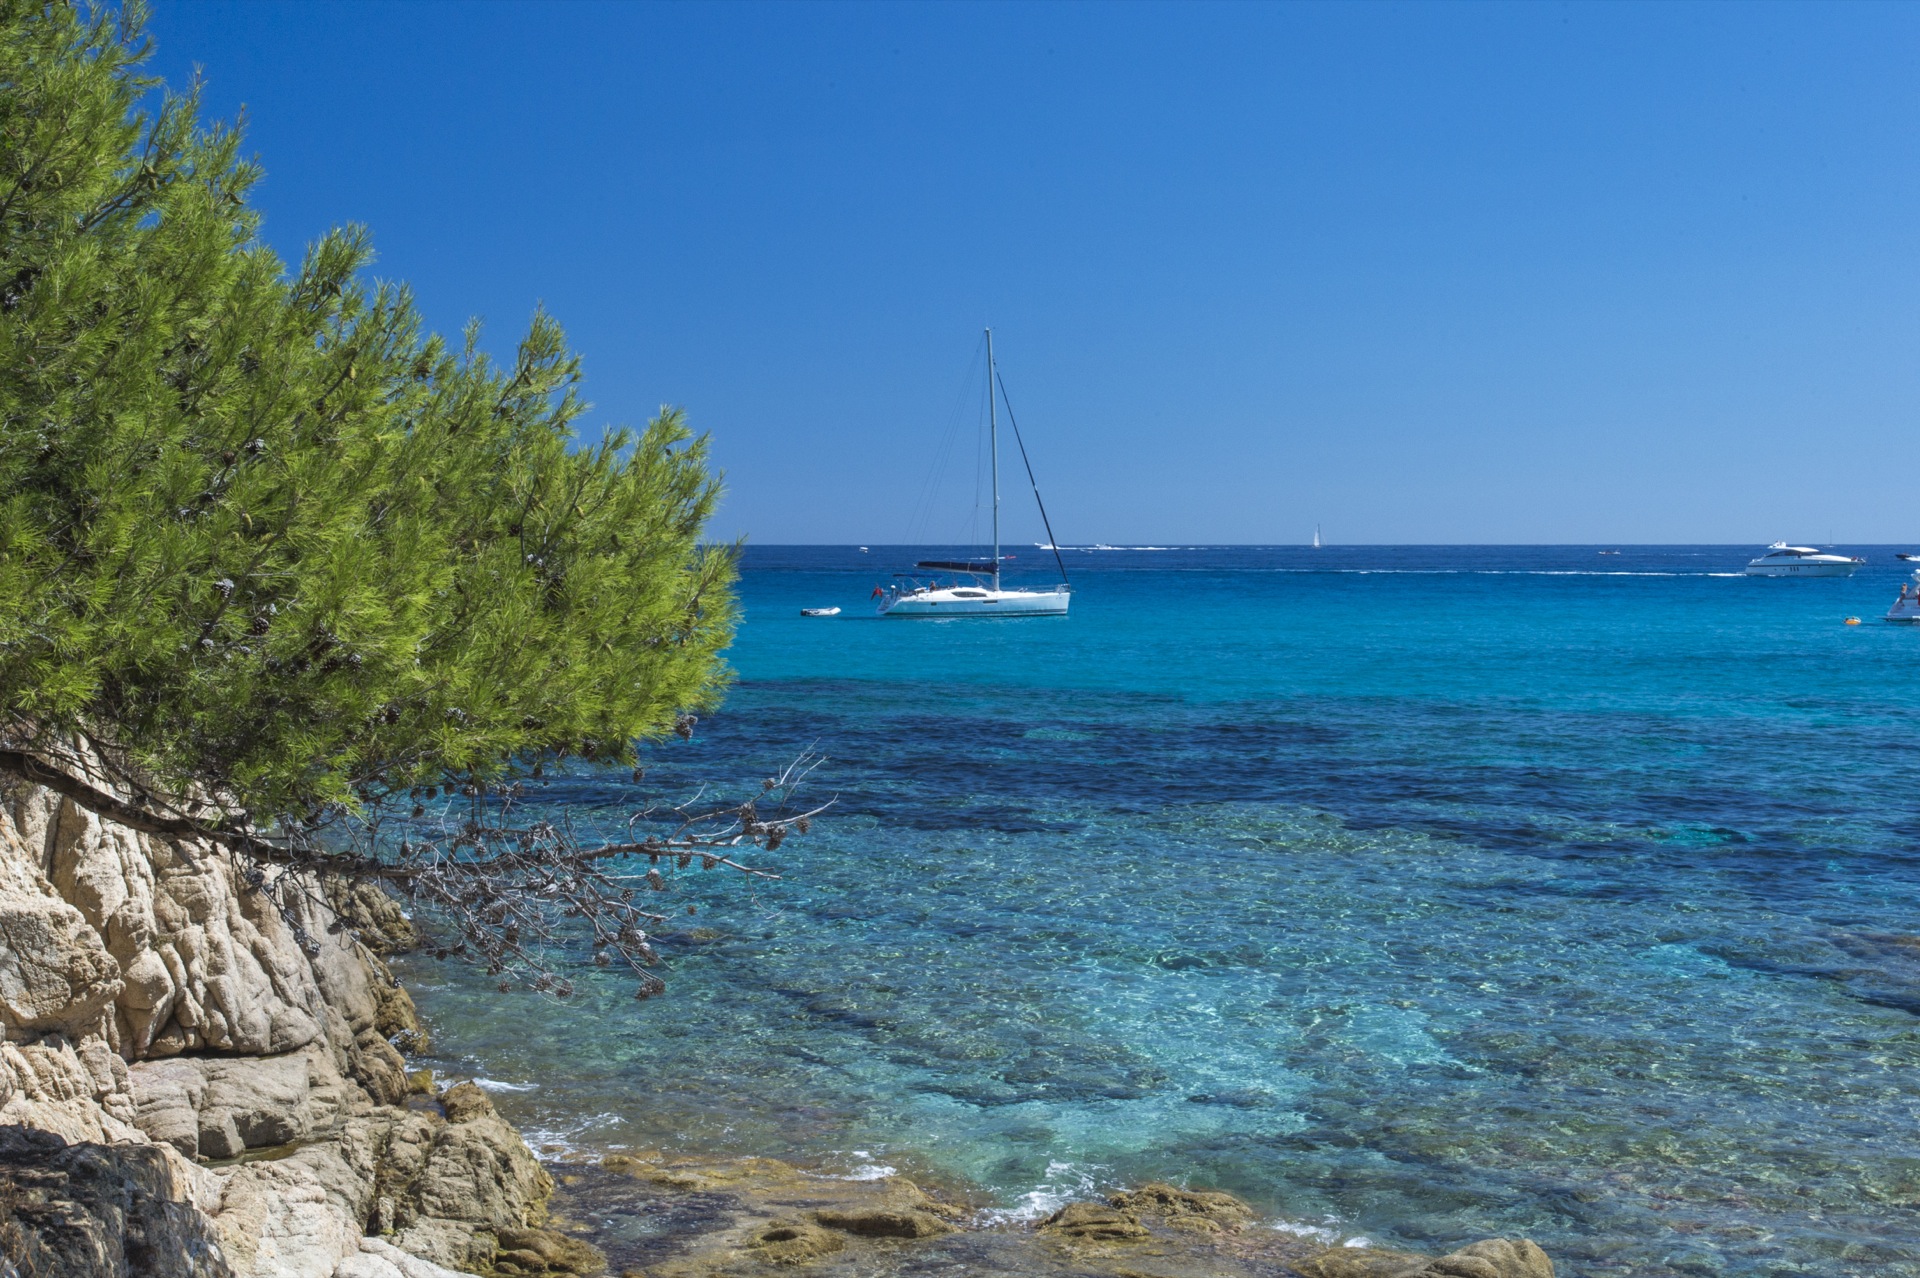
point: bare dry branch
(514, 895)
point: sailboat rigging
(981, 593)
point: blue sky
(1454, 273)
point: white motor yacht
(1906, 609)
(976, 590)
(1782, 560)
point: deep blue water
(1422, 893)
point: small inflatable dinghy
(819, 612)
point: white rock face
(219, 1107)
(200, 965)
(381, 1259)
(300, 1216)
(145, 997)
(55, 972)
(75, 1091)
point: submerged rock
(709, 1219)
(1490, 1258)
(188, 1089)
(883, 1222)
(1363, 1262)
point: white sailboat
(980, 594)
(1316, 536)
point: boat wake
(1041, 545)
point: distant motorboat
(1609, 552)
(1904, 555)
(819, 612)
(977, 592)
(1782, 560)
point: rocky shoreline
(194, 1086)
(656, 1216)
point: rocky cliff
(188, 1087)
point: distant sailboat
(1316, 536)
(981, 595)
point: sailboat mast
(993, 449)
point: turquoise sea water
(1420, 893)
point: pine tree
(269, 551)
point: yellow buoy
(1853, 621)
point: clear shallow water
(1424, 893)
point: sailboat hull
(977, 603)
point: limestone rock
(452, 1243)
(455, 1186)
(382, 925)
(382, 928)
(409, 1140)
(49, 1085)
(794, 1242)
(1094, 1222)
(530, 1253)
(277, 1220)
(219, 1135)
(482, 1172)
(218, 1106)
(377, 1066)
(156, 945)
(299, 1216)
(202, 964)
(55, 974)
(154, 1010)
(1202, 1211)
(168, 1096)
(465, 1101)
(395, 1018)
(98, 1211)
(901, 1192)
(363, 1264)
(1495, 1258)
(378, 1258)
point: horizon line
(1305, 545)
